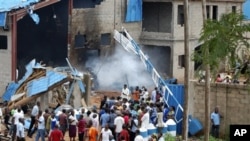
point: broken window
(105, 39)
(215, 12)
(234, 8)
(3, 42)
(80, 41)
(180, 19)
(181, 60)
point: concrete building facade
(162, 26)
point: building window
(3, 42)
(181, 60)
(215, 13)
(234, 8)
(208, 11)
(105, 39)
(80, 40)
(180, 19)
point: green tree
(220, 40)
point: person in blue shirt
(215, 120)
(104, 120)
(165, 113)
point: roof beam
(22, 12)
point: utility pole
(187, 74)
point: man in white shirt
(105, 133)
(34, 114)
(40, 127)
(145, 119)
(153, 95)
(16, 117)
(20, 130)
(125, 92)
(118, 123)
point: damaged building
(72, 28)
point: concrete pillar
(44, 101)
(77, 96)
(87, 82)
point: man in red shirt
(63, 121)
(124, 135)
(56, 134)
(81, 127)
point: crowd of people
(117, 119)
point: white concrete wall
(5, 63)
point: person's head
(52, 115)
(88, 113)
(216, 109)
(40, 112)
(83, 110)
(106, 110)
(64, 110)
(218, 75)
(46, 110)
(137, 88)
(38, 103)
(19, 110)
(125, 86)
(81, 117)
(95, 115)
(106, 126)
(105, 97)
(124, 126)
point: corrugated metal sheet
(37, 86)
(11, 90)
(41, 85)
(178, 92)
(3, 16)
(8, 5)
(12, 87)
(54, 77)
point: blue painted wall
(246, 9)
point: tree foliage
(222, 38)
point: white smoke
(118, 69)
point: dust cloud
(121, 68)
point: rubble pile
(37, 81)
